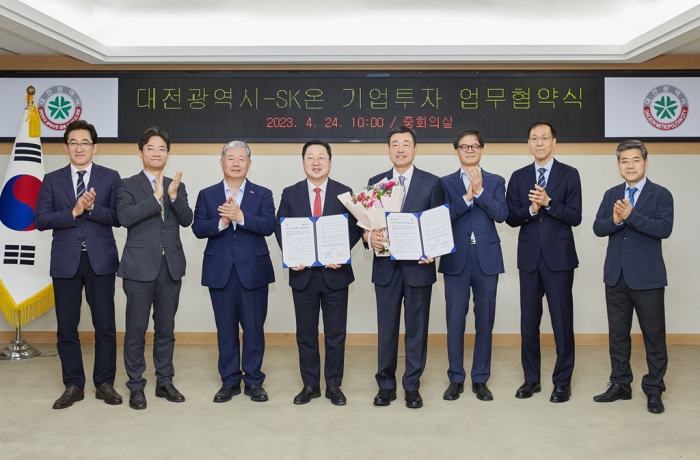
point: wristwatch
(549, 203)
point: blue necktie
(80, 189)
(632, 191)
(540, 180)
(401, 181)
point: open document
(315, 241)
(416, 235)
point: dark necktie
(632, 191)
(317, 203)
(162, 208)
(540, 180)
(401, 181)
(80, 189)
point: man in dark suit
(152, 207)
(477, 200)
(636, 215)
(77, 203)
(313, 287)
(403, 281)
(544, 200)
(235, 216)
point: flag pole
(18, 349)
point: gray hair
(235, 145)
(629, 145)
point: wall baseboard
(288, 338)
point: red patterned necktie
(317, 202)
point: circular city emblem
(58, 106)
(666, 107)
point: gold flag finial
(34, 118)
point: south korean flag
(25, 284)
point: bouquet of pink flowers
(370, 205)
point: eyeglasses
(74, 145)
(544, 139)
(473, 147)
(151, 149)
(634, 161)
(311, 159)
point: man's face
(541, 143)
(235, 163)
(472, 156)
(316, 163)
(154, 154)
(402, 149)
(632, 166)
(80, 148)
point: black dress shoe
(335, 394)
(71, 395)
(307, 394)
(226, 393)
(384, 397)
(482, 392)
(170, 393)
(453, 391)
(413, 400)
(654, 404)
(108, 394)
(137, 400)
(256, 392)
(614, 392)
(527, 389)
(560, 393)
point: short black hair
(403, 129)
(316, 142)
(468, 132)
(152, 132)
(542, 123)
(80, 124)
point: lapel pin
(252, 191)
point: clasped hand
(621, 210)
(538, 198)
(84, 203)
(230, 212)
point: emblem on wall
(58, 106)
(666, 107)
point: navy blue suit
(472, 265)
(407, 281)
(635, 277)
(315, 288)
(72, 268)
(546, 260)
(237, 269)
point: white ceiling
(350, 31)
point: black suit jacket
(295, 203)
(425, 192)
(635, 246)
(548, 231)
(148, 236)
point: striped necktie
(540, 180)
(80, 189)
(632, 191)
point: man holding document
(407, 281)
(316, 248)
